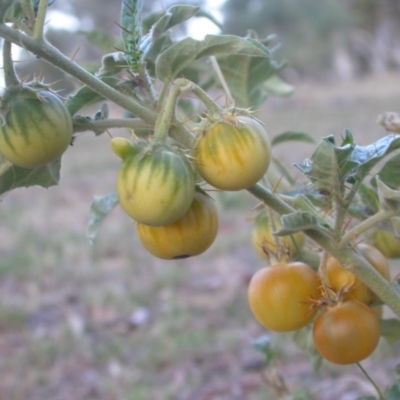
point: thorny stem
(52, 55)
(164, 119)
(380, 394)
(10, 77)
(40, 20)
(363, 226)
(147, 84)
(347, 257)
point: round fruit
(279, 296)
(386, 243)
(346, 333)
(191, 235)
(233, 155)
(155, 187)
(36, 130)
(264, 241)
(341, 279)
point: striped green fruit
(156, 187)
(233, 154)
(36, 129)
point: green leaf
(369, 198)
(368, 156)
(180, 55)
(389, 173)
(45, 176)
(389, 199)
(86, 96)
(367, 398)
(104, 41)
(131, 23)
(111, 64)
(174, 15)
(245, 74)
(298, 221)
(322, 168)
(275, 86)
(265, 346)
(393, 393)
(390, 329)
(100, 208)
(291, 136)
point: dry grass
(111, 322)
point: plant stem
(40, 20)
(380, 394)
(221, 78)
(322, 269)
(164, 119)
(10, 77)
(347, 257)
(363, 226)
(51, 54)
(83, 125)
(215, 111)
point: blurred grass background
(109, 321)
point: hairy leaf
(15, 177)
(86, 96)
(180, 55)
(275, 86)
(298, 221)
(100, 208)
(291, 136)
(104, 41)
(369, 198)
(173, 16)
(389, 173)
(389, 199)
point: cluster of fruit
(287, 296)
(158, 183)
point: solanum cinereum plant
(176, 154)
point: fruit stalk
(40, 20)
(363, 226)
(215, 111)
(165, 117)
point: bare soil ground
(111, 322)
